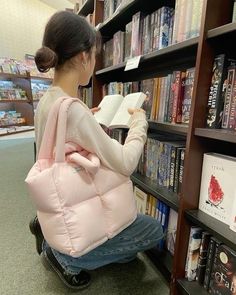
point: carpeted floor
(21, 271)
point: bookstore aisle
(21, 270)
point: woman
(69, 46)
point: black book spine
(172, 167)
(215, 98)
(181, 170)
(210, 261)
(202, 260)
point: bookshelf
(216, 35)
(23, 106)
(87, 8)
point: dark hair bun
(45, 59)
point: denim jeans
(144, 233)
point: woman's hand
(94, 110)
(132, 111)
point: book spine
(188, 19)
(181, 170)
(164, 27)
(164, 223)
(234, 12)
(228, 94)
(232, 224)
(171, 99)
(188, 91)
(232, 112)
(213, 244)
(180, 99)
(214, 265)
(215, 98)
(202, 260)
(177, 167)
(176, 95)
(176, 22)
(172, 168)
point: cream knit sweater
(84, 130)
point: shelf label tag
(132, 63)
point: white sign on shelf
(132, 63)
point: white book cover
(232, 223)
(114, 109)
(217, 191)
(171, 231)
(141, 200)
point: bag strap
(61, 129)
(51, 129)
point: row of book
(168, 98)
(211, 263)
(221, 112)
(112, 6)
(11, 118)
(85, 94)
(162, 161)
(10, 91)
(147, 33)
(148, 204)
(39, 88)
(17, 67)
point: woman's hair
(66, 34)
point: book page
(109, 106)
(122, 117)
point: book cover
(223, 281)
(232, 221)
(215, 98)
(188, 93)
(171, 231)
(217, 186)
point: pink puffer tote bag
(80, 203)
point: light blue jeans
(143, 234)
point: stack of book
(10, 91)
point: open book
(114, 109)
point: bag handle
(51, 129)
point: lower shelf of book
(193, 288)
(217, 228)
(163, 261)
(151, 187)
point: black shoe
(35, 229)
(73, 281)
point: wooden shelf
(186, 288)
(12, 76)
(16, 131)
(41, 78)
(217, 228)
(87, 8)
(15, 100)
(180, 129)
(163, 261)
(219, 134)
(160, 61)
(169, 198)
(124, 15)
(227, 29)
